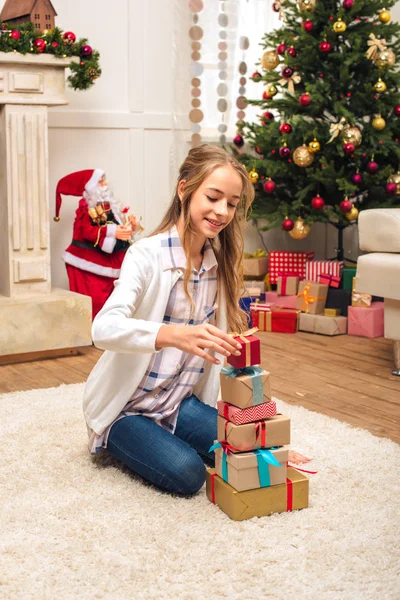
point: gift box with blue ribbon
(251, 470)
(245, 387)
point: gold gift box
(239, 390)
(243, 468)
(332, 312)
(244, 437)
(364, 300)
(260, 502)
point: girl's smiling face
(213, 204)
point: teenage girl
(150, 400)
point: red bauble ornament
(357, 179)
(39, 45)
(268, 116)
(349, 148)
(269, 186)
(308, 26)
(292, 51)
(305, 100)
(86, 51)
(285, 128)
(347, 4)
(346, 206)
(372, 167)
(287, 224)
(69, 37)
(318, 203)
(285, 152)
(281, 49)
(15, 34)
(391, 189)
(258, 150)
(266, 96)
(396, 110)
(256, 75)
(54, 44)
(287, 72)
(238, 141)
(325, 47)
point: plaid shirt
(172, 374)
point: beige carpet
(71, 529)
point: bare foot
(298, 459)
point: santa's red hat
(75, 184)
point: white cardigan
(127, 327)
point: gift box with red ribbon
(279, 320)
(315, 268)
(288, 284)
(250, 436)
(283, 262)
(292, 495)
(312, 297)
(246, 415)
(251, 350)
(330, 280)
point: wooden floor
(344, 377)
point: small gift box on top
(330, 280)
(312, 297)
(288, 284)
(251, 349)
(245, 388)
(358, 299)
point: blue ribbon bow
(265, 458)
(256, 380)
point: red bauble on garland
(292, 52)
(396, 110)
(308, 26)
(325, 47)
(269, 186)
(285, 152)
(69, 37)
(318, 203)
(372, 167)
(266, 96)
(55, 44)
(346, 206)
(39, 45)
(305, 100)
(285, 128)
(86, 51)
(391, 189)
(349, 148)
(287, 72)
(15, 34)
(287, 224)
(238, 141)
(267, 116)
(347, 4)
(357, 179)
(256, 75)
(281, 49)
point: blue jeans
(171, 461)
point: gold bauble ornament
(254, 176)
(314, 146)
(380, 86)
(395, 179)
(385, 59)
(300, 230)
(384, 16)
(339, 26)
(352, 214)
(271, 90)
(307, 5)
(378, 123)
(302, 156)
(270, 60)
(352, 135)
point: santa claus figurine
(101, 236)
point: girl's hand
(123, 232)
(198, 339)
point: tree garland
(25, 39)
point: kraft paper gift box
(255, 266)
(252, 470)
(283, 301)
(338, 299)
(245, 388)
(366, 322)
(292, 495)
(279, 320)
(250, 352)
(288, 285)
(282, 262)
(246, 415)
(254, 284)
(250, 436)
(323, 325)
(311, 297)
(315, 268)
(357, 299)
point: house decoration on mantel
(39, 12)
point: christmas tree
(326, 145)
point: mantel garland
(25, 39)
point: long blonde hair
(228, 246)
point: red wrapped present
(251, 349)
(236, 415)
(279, 320)
(283, 262)
(330, 280)
(315, 268)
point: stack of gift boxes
(251, 477)
(366, 318)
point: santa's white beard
(103, 194)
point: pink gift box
(366, 322)
(282, 301)
(246, 415)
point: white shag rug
(71, 529)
